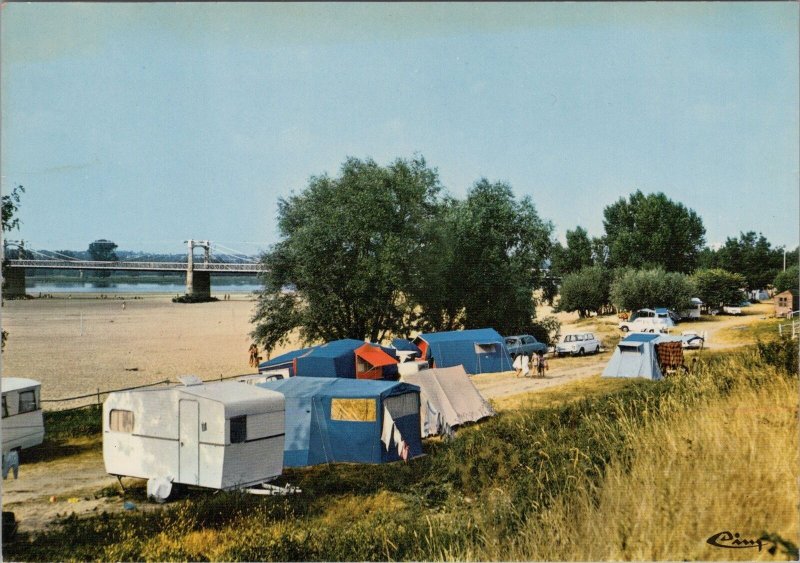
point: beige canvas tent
(447, 398)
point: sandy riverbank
(75, 346)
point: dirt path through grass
(74, 480)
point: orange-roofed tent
(371, 361)
(348, 358)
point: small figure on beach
(253, 355)
(541, 363)
(123, 305)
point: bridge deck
(136, 266)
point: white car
(578, 344)
(646, 324)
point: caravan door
(189, 422)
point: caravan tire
(597, 350)
(581, 352)
(624, 329)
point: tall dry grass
(731, 464)
(640, 470)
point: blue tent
(405, 346)
(283, 361)
(636, 356)
(337, 359)
(480, 350)
(342, 420)
(332, 359)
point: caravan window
(484, 348)
(5, 407)
(402, 405)
(353, 410)
(238, 429)
(27, 401)
(121, 421)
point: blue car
(524, 344)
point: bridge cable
(234, 252)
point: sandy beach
(83, 344)
(79, 345)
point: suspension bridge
(198, 271)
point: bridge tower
(13, 278)
(198, 284)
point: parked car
(524, 344)
(647, 324)
(578, 343)
(657, 313)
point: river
(36, 287)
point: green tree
(586, 291)
(349, 248)
(102, 250)
(501, 248)
(793, 257)
(716, 287)
(648, 231)
(788, 279)
(752, 256)
(600, 251)
(636, 289)
(575, 255)
(707, 259)
(437, 290)
(10, 204)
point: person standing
(541, 364)
(253, 355)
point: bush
(585, 291)
(547, 330)
(782, 354)
(715, 287)
(73, 423)
(637, 289)
(788, 279)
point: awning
(374, 356)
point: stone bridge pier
(13, 283)
(198, 284)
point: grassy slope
(637, 470)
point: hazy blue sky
(151, 123)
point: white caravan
(222, 435)
(22, 425)
(693, 313)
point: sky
(149, 124)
